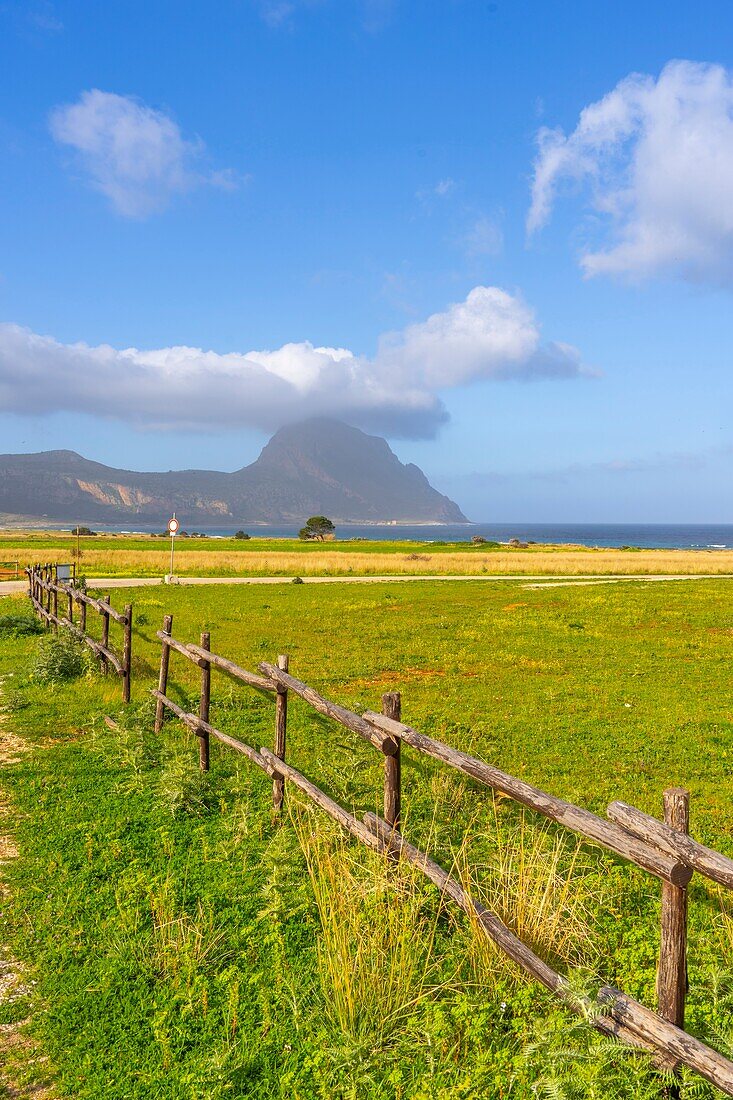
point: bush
(297, 580)
(241, 535)
(82, 531)
(60, 657)
(19, 625)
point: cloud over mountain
(490, 335)
(654, 159)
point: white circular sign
(173, 526)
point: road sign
(173, 526)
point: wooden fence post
(281, 725)
(672, 972)
(71, 607)
(56, 609)
(105, 634)
(204, 705)
(392, 708)
(127, 654)
(83, 617)
(165, 656)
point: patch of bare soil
(23, 1068)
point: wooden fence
(9, 570)
(663, 849)
(44, 592)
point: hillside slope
(318, 466)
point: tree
(316, 529)
(241, 535)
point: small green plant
(297, 580)
(19, 625)
(60, 657)
(187, 791)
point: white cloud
(136, 156)
(490, 335)
(656, 157)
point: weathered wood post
(105, 634)
(165, 656)
(56, 608)
(204, 705)
(281, 727)
(392, 708)
(127, 654)
(672, 971)
(83, 615)
(71, 605)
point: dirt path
(20, 1057)
(528, 580)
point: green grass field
(174, 936)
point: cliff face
(319, 466)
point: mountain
(318, 467)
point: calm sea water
(650, 535)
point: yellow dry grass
(571, 562)
(539, 884)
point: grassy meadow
(148, 556)
(176, 942)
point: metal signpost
(173, 527)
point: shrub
(60, 657)
(297, 580)
(241, 535)
(19, 624)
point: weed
(183, 788)
(60, 657)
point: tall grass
(376, 959)
(434, 562)
(540, 884)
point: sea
(661, 536)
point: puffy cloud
(656, 157)
(490, 335)
(136, 156)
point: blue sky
(261, 182)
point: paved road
(529, 580)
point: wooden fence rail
(44, 591)
(662, 849)
(9, 570)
